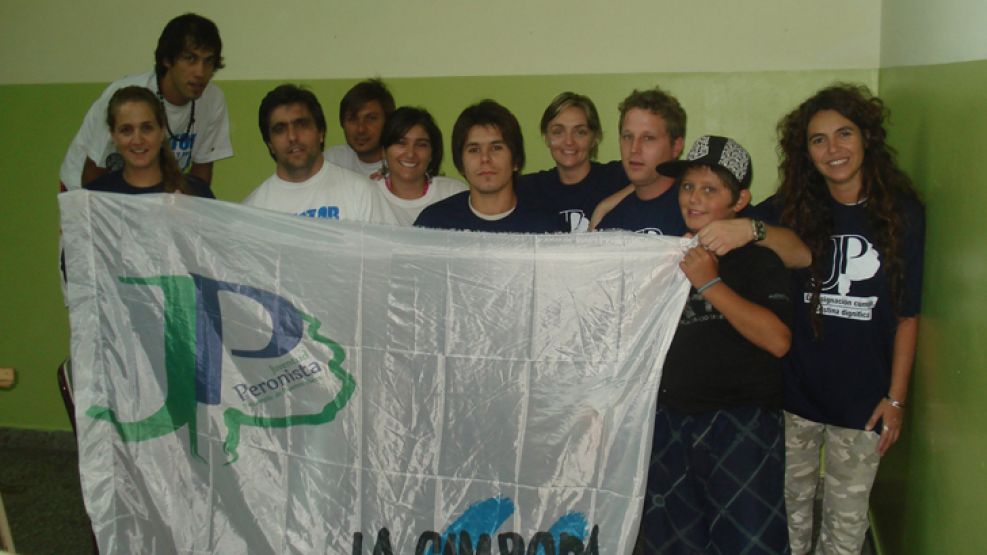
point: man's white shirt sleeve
(214, 141)
(93, 140)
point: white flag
(252, 382)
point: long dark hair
(171, 174)
(805, 199)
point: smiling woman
(137, 127)
(412, 146)
(836, 147)
(856, 308)
(572, 189)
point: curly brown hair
(804, 197)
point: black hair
(187, 31)
(283, 95)
(363, 92)
(488, 113)
(402, 120)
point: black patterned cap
(711, 150)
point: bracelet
(894, 402)
(758, 233)
(709, 284)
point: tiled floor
(39, 481)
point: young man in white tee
(188, 54)
(362, 113)
(293, 126)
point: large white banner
(251, 382)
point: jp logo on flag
(193, 337)
(460, 390)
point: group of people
(800, 328)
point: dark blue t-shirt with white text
(658, 216)
(455, 213)
(839, 377)
(574, 203)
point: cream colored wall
(55, 41)
(919, 32)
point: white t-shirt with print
(407, 210)
(333, 192)
(207, 140)
(343, 155)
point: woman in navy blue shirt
(573, 188)
(139, 130)
(856, 307)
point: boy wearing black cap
(715, 484)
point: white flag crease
(252, 382)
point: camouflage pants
(851, 461)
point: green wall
(929, 496)
(927, 499)
(38, 121)
(744, 105)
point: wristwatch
(757, 227)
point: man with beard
(293, 126)
(362, 113)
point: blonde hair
(569, 99)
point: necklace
(191, 118)
(390, 186)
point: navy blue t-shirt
(658, 216)
(455, 213)
(113, 182)
(840, 378)
(573, 203)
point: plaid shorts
(716, 484)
